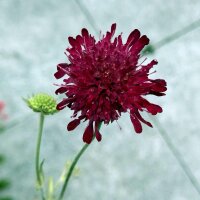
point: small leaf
(4, 183)
(42, 171)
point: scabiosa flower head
(105, 78)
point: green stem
(72, 168)
(37, 158)
(178, 34)
(151, 48)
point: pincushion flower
(106, 78)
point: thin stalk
(76, 159)
(178, 156)
(178, 34)
(37, 158)
(151, 48)
(88, 15)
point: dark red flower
(105, 78)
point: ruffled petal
(141, 119)
(62, 104)
(113, 28)
(88, 134)
(136, 123)
(59, 74)
(133, 37)
(72, 41)
(61, 90)
(153, 108)
(85, 32)
(73, 124)
(139, 45)
(61, 70)
(157, 93)
(97, 133)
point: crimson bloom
(104, 79)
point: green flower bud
(43, 103)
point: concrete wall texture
(33, 38)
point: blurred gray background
(33, 38)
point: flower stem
(72, 168)
(151, 48)
(37, 158)
(178, 34)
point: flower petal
(61, 90)
(139, 45)
(113, 28)
(62, 104)
(72, 41)
(141, 119)
(144, 40)
(85, 32)
(157, 93)
(73, 124)
(88, 134)
(59, 74)
(61, 70)
(136, 123)
(97, 133)
(79, 39)
(133, 37)
(153, 108)
(98, 136)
